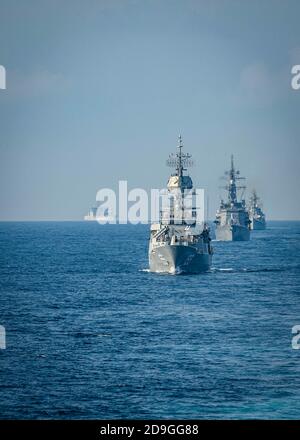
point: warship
(92, 214)
(178, 245)
(256, 215)
(232, 221)
(96, 214)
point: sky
(98, 91)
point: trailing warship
(232, 218)
(256, 215)
(177, 245)
(92, 214)
(96, 214)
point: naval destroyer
(232, 218)
(256, 215)
(177, 245)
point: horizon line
(117, 223)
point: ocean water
(92, 334)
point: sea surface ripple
(92, 334)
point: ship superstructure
(178, 242)
(256, 215)
(232, 219)
(92, 214)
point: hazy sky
(98, 90)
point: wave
(230, 270)
(250, 270)
(178, 271)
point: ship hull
(176, 259)
(257, 224)
(232, 233)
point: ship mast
(180, 161)
(232, 185)
(254, 198)
(179, 168)
(232, 176)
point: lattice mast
(254, 200)
(180, 161)
(232, 176)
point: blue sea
(91, 334)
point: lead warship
(256, 215)
(232, 219)
(178, 245)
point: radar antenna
(179, 160)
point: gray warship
(232, 221)
(256, 215)
(177, 245)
